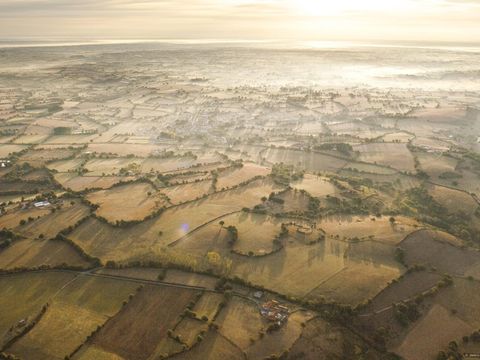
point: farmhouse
(273, 311)
(4, 163)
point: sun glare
(340, 7)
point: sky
(290, 20)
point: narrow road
(114, 277)
(376, 312)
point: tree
(442, 356)
(111, 264)
(400, 255)
(232, 230)
(392, 220)
(214, 258)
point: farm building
(40, 204)
(273, 311)
(258, 294)
(304, 230)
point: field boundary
(175, 242)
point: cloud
(249, 19)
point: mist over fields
(199, 200)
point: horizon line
(26, 42)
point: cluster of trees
(283, 174)
(6, 238)
(29, 219)
(343, 148)
(313, 207)
(452, 353)
(21, 269)
(214, 174)
(8, 132)
(418, 203)
(450, 175)
(130, 169)
(17, 172)
(355, 205)
(166, 178)
(400, 256)
(283, 231)
(168, 261)
(473, 337)
(406, 312)
(62, 130)
(473, 156)
(233, 234)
